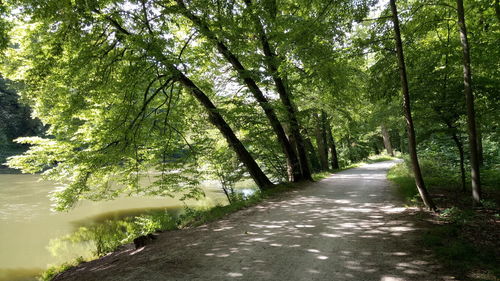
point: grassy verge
(463, 238)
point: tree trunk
(271, 61)
(387, 140)
(320, 134)
(375, 149)
(216, 119)
(412, 148)
(293, 164)
(480, 146)
(324, 128)
(497, 9)
(460, 148)
(214, 116)
(333, 149)
(402, 142)
(312, 156)
(469, 100)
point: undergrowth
(463, 238)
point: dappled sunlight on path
(346, 227)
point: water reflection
(32, 237)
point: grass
(52, 271)
(462, 238)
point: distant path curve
(348, 226)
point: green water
(27, 225)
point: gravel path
(346, 227)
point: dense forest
(271, 90)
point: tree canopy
(152, 97)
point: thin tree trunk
(227, 195)
(375, 149)
(469, 100)
(497, 9)
(324, 128)
(293, 164)
(460, 148)
(412, 147)
(480, 146)
(333, 149)
(271, 61)
(387, 140)
(218, 121)
(321, 142)
(402, 142)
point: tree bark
(469, 100)
(214, 116)
(312, 155)
(218, 121)
(387, 140)
(497, 9)
(480, 146)
(293, 164)
(320, 134)
(412, 147)
(271, 61)
(460, 148)
(402, 142)
(333, 149)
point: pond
(28, 228)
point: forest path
(349, 226)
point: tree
(469, 100)
(272, 63)
(407, 111)
(387, 139)
(110, 86)
(292, 160)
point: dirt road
(346, 227)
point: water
(27, 225)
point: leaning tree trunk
(271, 61)
(333, 149)
(412, 147)
(387, 140)
(469, 100)
(214, 116)
(218, 121)
(293, 164)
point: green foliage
(108, 235)
(456, 215)
(401, 175)
(52, 271)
